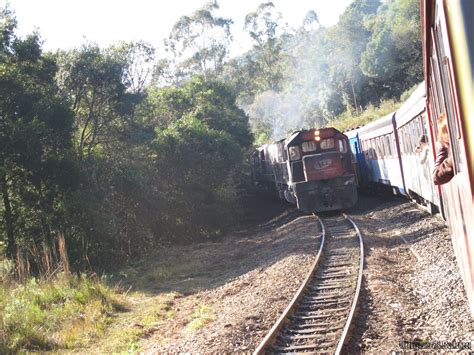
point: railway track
(318, 318)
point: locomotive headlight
(316, 135)
(317, 139)
(294, 153)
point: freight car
(312, 169)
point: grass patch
(200, 317)
(146, 315)
(348, 120)
(154, 275)
(63, 313)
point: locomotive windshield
(309, 146)
(327, 143)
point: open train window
(406, 132)
(382, 147)
(327, 143)
(447, 89)
(389, 145)
(379, 147)
(411, 136)
(373, 148)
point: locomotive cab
(322, 176)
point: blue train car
(358, 157)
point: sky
(65, 24)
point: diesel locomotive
(312, 169)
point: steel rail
(355, 301)
(294, 308)
(275, 330)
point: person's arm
(443, 169)
(424, 155)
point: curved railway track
(320, 314)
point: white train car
(417, 149)
(379, 144)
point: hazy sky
(69, 23)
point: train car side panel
(447, 68)
(417, 157)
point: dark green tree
(36, 162)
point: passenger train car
(448, 58)
(398, 151)
(391, 153)
(312, 169)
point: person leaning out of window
(422, 149)
(443, 169)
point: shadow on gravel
(204, 266)
(207, 265)
(396, 213)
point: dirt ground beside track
(226, 295)
(412, 289)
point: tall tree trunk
(11, 244)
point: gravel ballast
(412, 291)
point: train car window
(373, 148)
(433, 93)
(294, 153)
(401, 139)
(327, 143)
(342, 146)
(379, 147)
(436, 76)
(406, 139)
(446, 76)
(389, 145)
(411, 134)
(309, 146)
(364, 149)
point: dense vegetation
(93, 155)
(108, 153)
(314, 76)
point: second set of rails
(319, 316)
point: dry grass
(63, 313)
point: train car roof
(381, 126)
(352, 133)
(415, 105)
